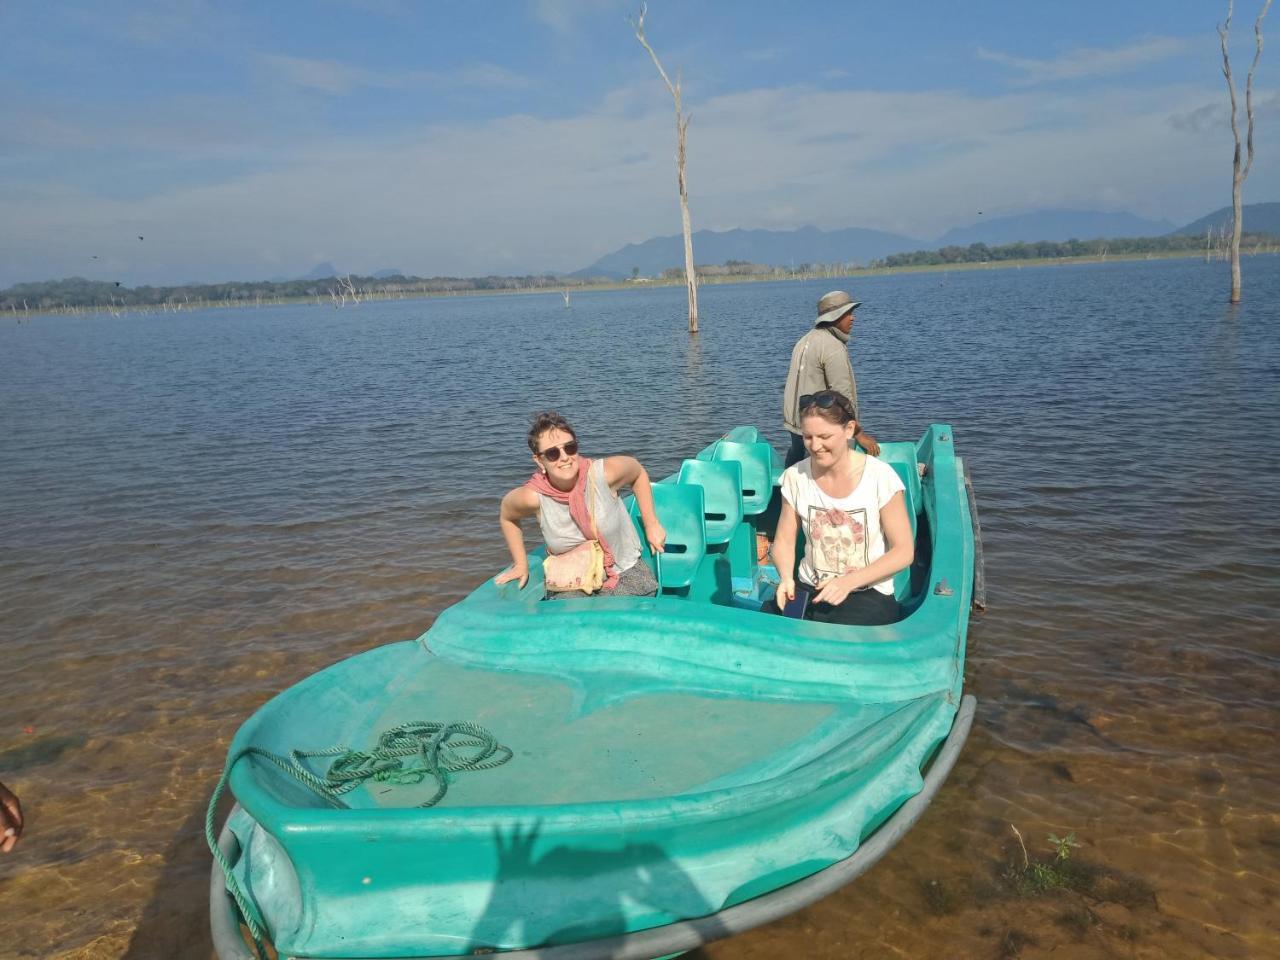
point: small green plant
(1061, 846)
(1040, 875)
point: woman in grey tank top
(558, 494)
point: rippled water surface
(197, 510)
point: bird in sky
(94, 257)
(139, 238)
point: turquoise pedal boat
(682, 767)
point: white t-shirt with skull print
(841, 533)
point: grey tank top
(561, 534)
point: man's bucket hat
(835, 305)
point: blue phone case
(797, 605)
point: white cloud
(1217, 115)
(1089, 61)
(336, 78)
(526, 193)
(327, 76)
(562, 16)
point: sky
(255, 140)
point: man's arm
(10, 819)
(866, 441)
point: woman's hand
(10, 819)
(516, 571)
(786, 593)
(656, 534)
(835, 590)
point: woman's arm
(520, 503)
(627, 472)
(784, 554)
(900, 550)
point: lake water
(199, 509)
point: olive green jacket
(820, 361)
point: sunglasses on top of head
(552, 454)
(823, 401)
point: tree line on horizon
(79, 293)
(74, 292)
(1051, 250)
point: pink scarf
(576, 500)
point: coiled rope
(441, 749)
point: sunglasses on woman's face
(552, 454)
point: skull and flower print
(839, 540)
(841, 533)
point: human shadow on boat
(574, 894)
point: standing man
(820, 361)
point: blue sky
(249, 140)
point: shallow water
(198, 509)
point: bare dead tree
(682, 126)
(1239, 173)
(349, 288)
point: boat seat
(779, 464)
(681, 508)
(757, 471)
(902, 457)
(743, 435)
(737, 435)
(721, 484)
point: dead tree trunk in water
(1239, 173)
(682, 125)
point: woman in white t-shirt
(853, 512)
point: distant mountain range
(790, 248)
(810, 245)
(1257, 217)
(776, 247)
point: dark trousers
(862, 608)
(796, 452)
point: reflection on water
(201, 509)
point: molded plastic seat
(680, 508)
(757, 471)
(721, 484)
(747, 434)
(902, 457)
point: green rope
(441, 749)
